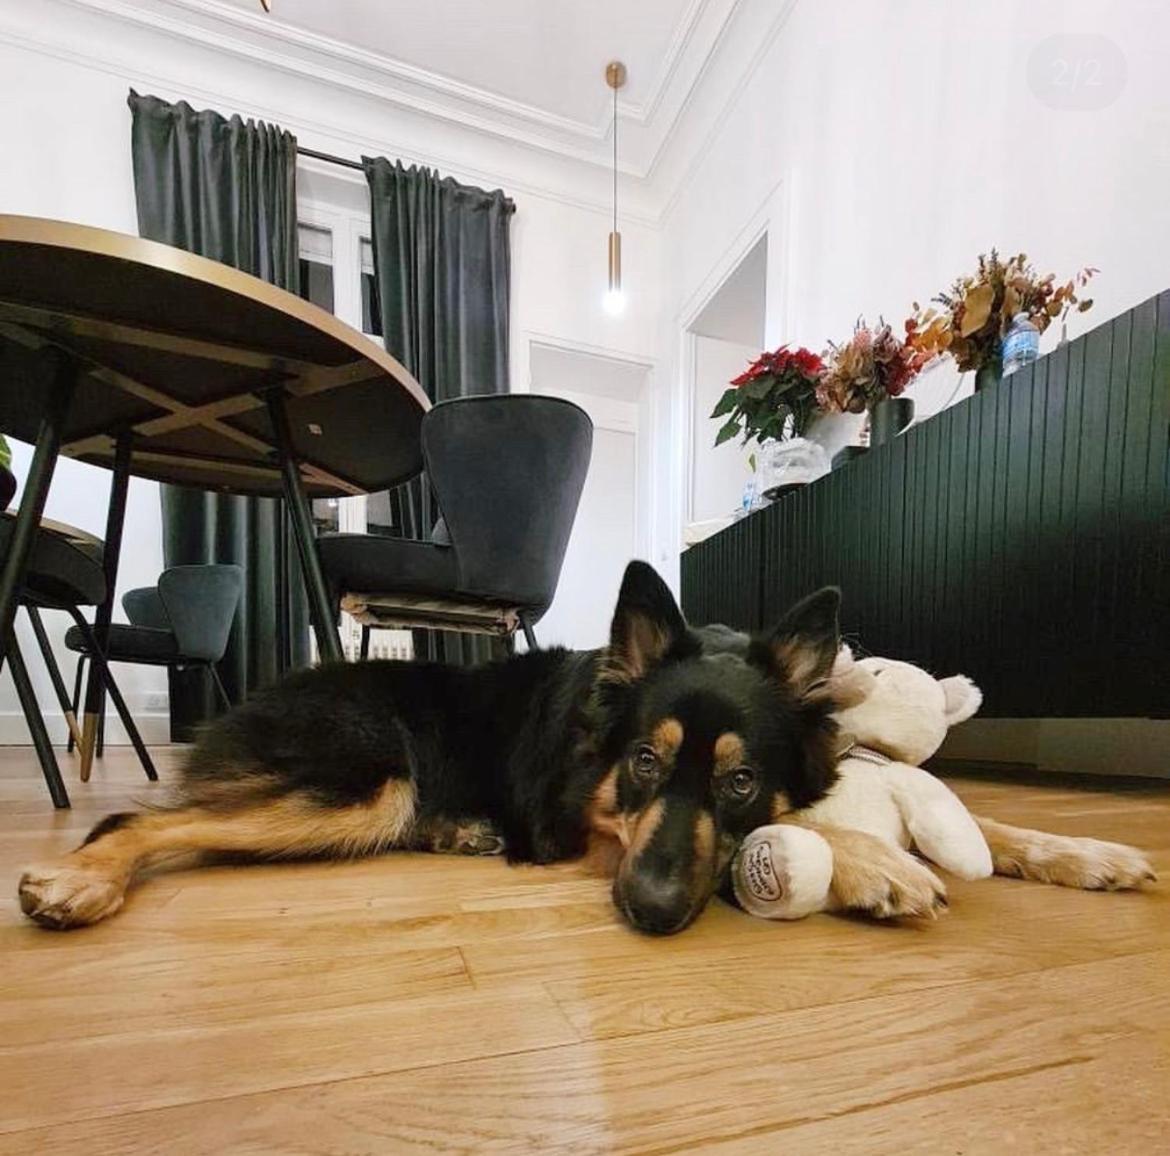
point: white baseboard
(1085, 746)
(155, 728)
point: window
(371, 307)
(316, 265)
(315, 250)
(337, 274)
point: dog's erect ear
(963, 698)
(647, 624)
(803, 647)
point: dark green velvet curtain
(442, 266)
(226, 189)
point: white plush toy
(899, 717)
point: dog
(649, 752)
(657, 754)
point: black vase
(989, 373)
(889, 418)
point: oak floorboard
(424, 1003)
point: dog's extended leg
(877, 878)
(1089, 864)
(90, 883)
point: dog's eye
(645, 761)
(741, 783)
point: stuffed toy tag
(782, 872)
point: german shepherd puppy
(663, 754)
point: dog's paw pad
(63, 897)
(482, 843)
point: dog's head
(707, 742)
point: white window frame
(348, 230)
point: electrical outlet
(157, 702)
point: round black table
(161, 364)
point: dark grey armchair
(507, 472)
(65, 573)
(183, 621)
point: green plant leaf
(727, 432)
(752, 462)
(759, 387)
(726, 403)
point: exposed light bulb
(614, 302)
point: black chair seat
(130, 644)
(366, 564)
(62, 571)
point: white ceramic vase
(835, 431)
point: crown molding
(733, 84)
(226, 28)
(315, 132)
(713, 60)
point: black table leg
(36, 723)
(38, 625)
(320, 609)
(36, 490)
(97, 661)
(95, 697)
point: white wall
(64, 77)
(717, 473)
(885, 144)
(609, 529)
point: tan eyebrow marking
(729, 752)
(666, 738)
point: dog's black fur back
(503, 742)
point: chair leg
(223, 694)
(103, 668)
(77, 678)
(99, 748)
(67, 707)
(36, 724)
(365, 651)
(529, 634)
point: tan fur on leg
(90, 883)
(1089, 864)
(877, 878)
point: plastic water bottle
(1021, 344)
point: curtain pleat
(225, 188)
(442, 264)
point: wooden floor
(427, 1004)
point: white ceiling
(547, 54)
(528, 71)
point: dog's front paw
(878, 879)
(66, 896)
(458, 837)
(1093, 865)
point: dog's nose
(655, 905)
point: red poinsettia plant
(773, 399)
(871, 366)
